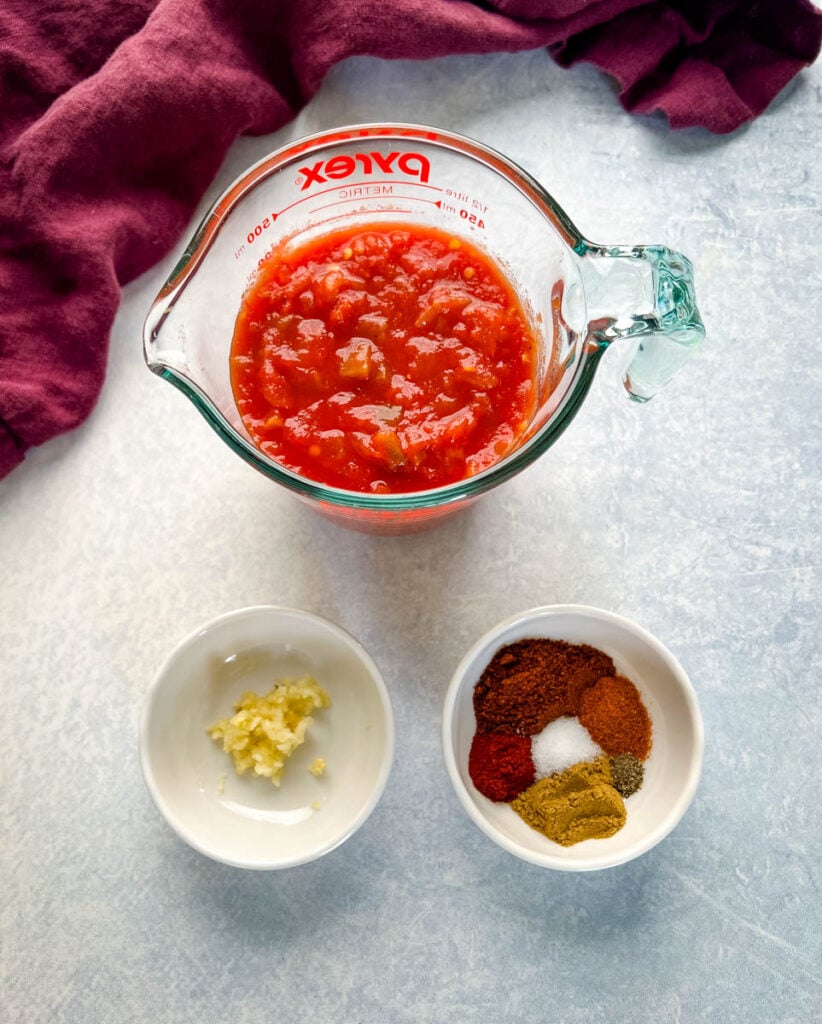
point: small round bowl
(245, 820)
(671, 772)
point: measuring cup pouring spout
(579, 297)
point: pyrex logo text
(414, 164)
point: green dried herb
(628, 773)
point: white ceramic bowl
(671, 772)
(245, 820)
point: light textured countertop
(697, 515)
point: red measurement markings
(382, 209)
(268, 221)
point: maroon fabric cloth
(116, 114)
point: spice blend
(561, 736)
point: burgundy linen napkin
(115, 116)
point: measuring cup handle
(644, 293)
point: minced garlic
(265, 731)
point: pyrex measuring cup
(580, 297)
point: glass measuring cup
(580, 297)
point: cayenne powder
(500, 765)
(529, 683)
(613, 713)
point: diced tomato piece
(373, 326)
(311, 331)
(445, 302)
(496, 449)
(445, 404)
(487, 324)
(358, 359)
(328, 444)
(348, 307)
(429, 356)
(383, 448)
(473, 368)
(387, 443)
(301, 428)
(275, 388)
(405, 391)
(457, 426)
(331, 280)
(376, 417)
(369, 244)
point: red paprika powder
(500, 765)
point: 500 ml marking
(344, 195)
(257, 231)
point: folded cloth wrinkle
(571, 16)
(715, 63)
(116, 116)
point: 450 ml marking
(463, 214)
(465, 207)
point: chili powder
(531, 682)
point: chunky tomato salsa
(387, 359)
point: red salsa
(387, 359)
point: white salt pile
(562, 743)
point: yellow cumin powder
(577, 804)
